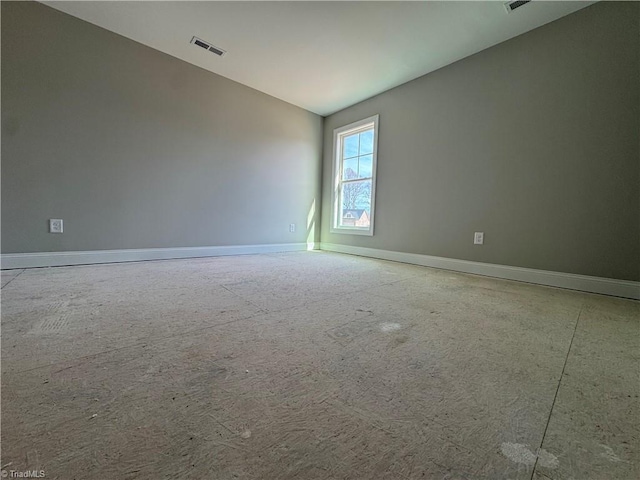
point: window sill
(352, 231)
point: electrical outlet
(478, 238)
(292, 227)
(55, 225)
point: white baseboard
(58, 259)
(605, 286)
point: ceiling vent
(207, 46)
(511, 6)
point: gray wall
(534, 141)
(133, 148)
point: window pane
(366, 142)
(350, 168)
(350, 146)
(354, 173)
(365, 166)
(356, 204)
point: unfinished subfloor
(313, 365)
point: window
(354, 174)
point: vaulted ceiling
(322, 56)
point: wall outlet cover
(292, 227)
(55, 225)
(478, 238)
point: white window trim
(338, 135)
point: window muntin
(354, 170)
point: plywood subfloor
(313, 366)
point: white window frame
(338, 136)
